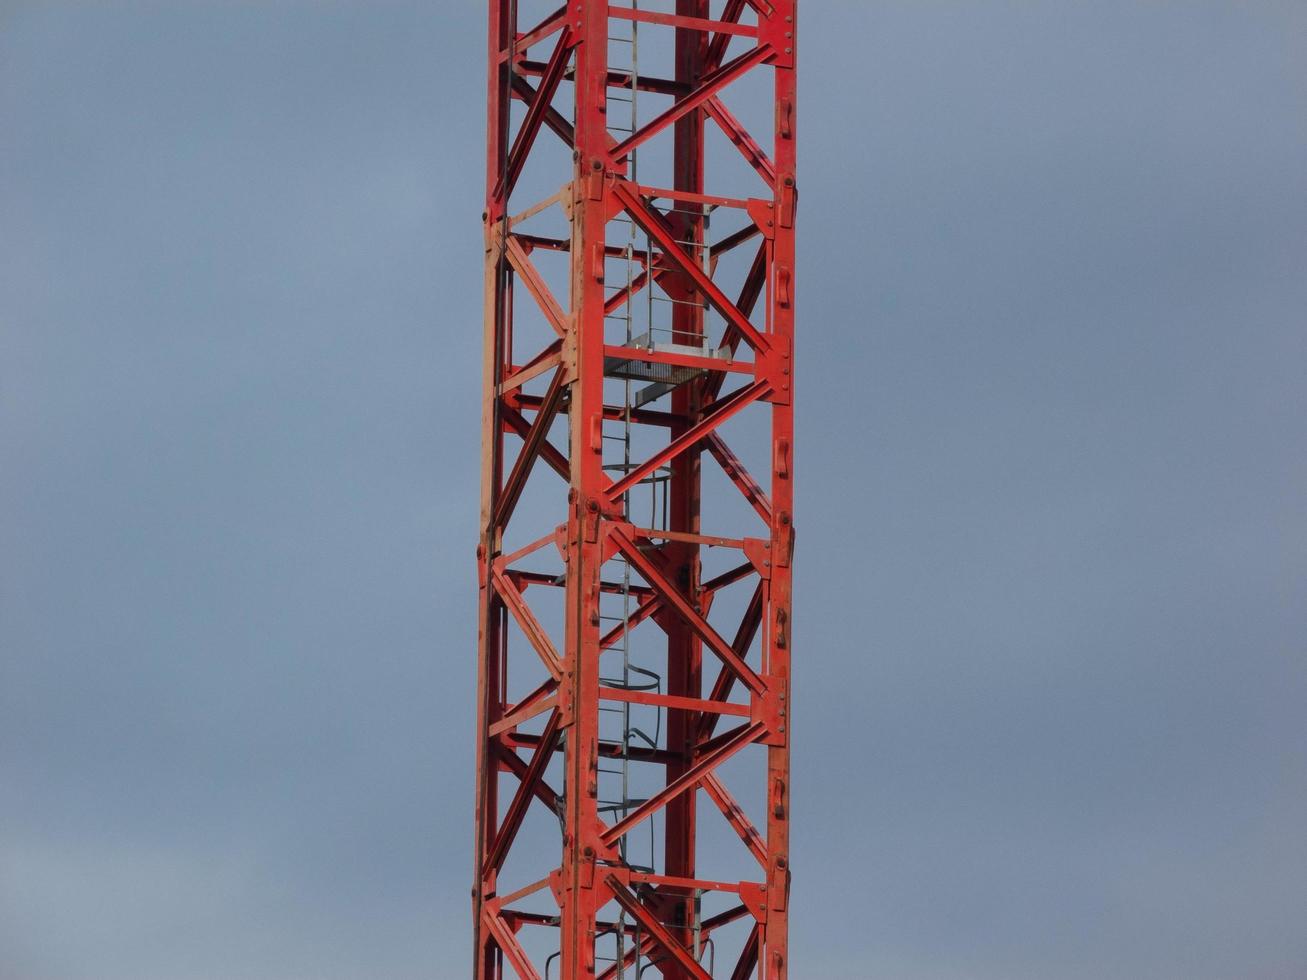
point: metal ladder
(643, 382)
(617, 801)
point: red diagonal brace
(721, 689)
(716, 414)
(754, 282)
(535, 114)
(509, 944)
(515, 421)
(736, 817)
(740, 138)
(673, 598)
(530, 625)
(544, 793)
(626, 293)
(555, 120)
(657, 229)
(710, 86)
(748, 957)
(542, 362)
(526, 458)
(738, 739)
(738, 475)
(525, 268)
(657, 931)
(554, 22)
(540, 700)
(618, 966)
(717, 46)
(643, 611)
(522, 798)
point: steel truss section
(651, 355)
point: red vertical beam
(491, 633)
(684, 649)
(777, 621)
(583, 359)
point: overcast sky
(1050, 622)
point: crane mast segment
(634, 563)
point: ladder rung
(680, 302)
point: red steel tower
(633, 788)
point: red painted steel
(622, 898)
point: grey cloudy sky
(1053, 529)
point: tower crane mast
(634, 562)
